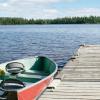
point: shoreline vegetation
(65, 20)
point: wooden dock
(80, 78)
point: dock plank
(81, 77)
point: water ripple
(58, 42)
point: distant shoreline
(65, 20)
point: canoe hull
(34, 91)
(40, 65)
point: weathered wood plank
(81, 77)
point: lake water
(58, 42)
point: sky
(49, 9)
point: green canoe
(30, 76)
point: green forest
(65, 20)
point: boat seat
(28, 83)
(30, 76)
(35, 72)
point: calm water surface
(58, 42)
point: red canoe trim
(34, 91)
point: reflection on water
(55, 41)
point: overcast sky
(49, 8)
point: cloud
(30, 1)
(13, 2)
(83, 12)
(42, 9)
(28, 8)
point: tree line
(65, 20)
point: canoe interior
(36, 68)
